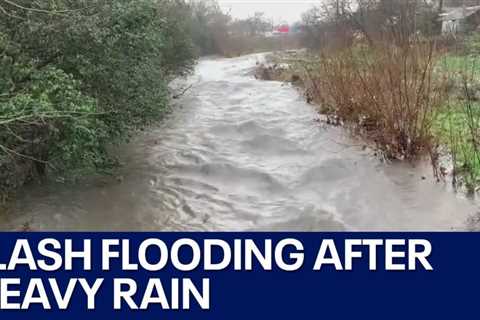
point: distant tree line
(216, 32)
(370, 19)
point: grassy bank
(457, 127)
(458, 121)
(409, 100)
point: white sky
(279, 10)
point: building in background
(460, 19)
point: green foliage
(458, 127)
(53, 116)
(78, 75)
(460, 66)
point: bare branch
(16, 5)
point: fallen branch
(50, 115)
(11, 152)
(177, 96)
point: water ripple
(241, 154)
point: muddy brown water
(242, 154)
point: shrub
(387, 91)
(76, 76)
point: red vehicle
(284, 29)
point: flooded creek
(241, 154)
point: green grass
(460, 65)
(458, 123)
(457, 126)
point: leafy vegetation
(78, 75)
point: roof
(459, 13)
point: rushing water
(242, 154)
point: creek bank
(65, 99)
(297, 68)
(244, 155)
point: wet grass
(460, 63)
(457, 127)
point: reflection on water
(241, 154)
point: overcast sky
(280, 10)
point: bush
(76, 76)
(387, 91)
